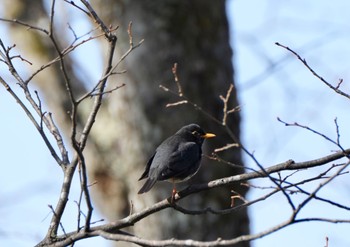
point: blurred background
(270, 83)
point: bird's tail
(147, 186)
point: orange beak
(208, 135)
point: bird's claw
(173, 194)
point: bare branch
(188, 101)
(337, 131)
(181, 102)
(176, 79)
(225, 101)
(29, 26)
(56, 133)
(137, 216)
(52, 14)
(70, 48)
(319, 187)
(314, 131)
(105, 30)
(32, 119)
(228, 146)
(334, 88)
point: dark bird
(176, 159)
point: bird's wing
(181, 162)
(145, 173)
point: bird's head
(193, 132)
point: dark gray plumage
(177, 158)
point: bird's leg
(173, 194)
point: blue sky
(271, 83)
(318, 32)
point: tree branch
(334, 88)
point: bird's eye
(195, 133)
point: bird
(176, 159)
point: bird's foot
(173, 194)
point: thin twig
(176, 79)
(188, 101)
(32, 119)
(225, 101)
(313, 131)
(334, 88)
(70, 48)
(29, 26)
(337, 131)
